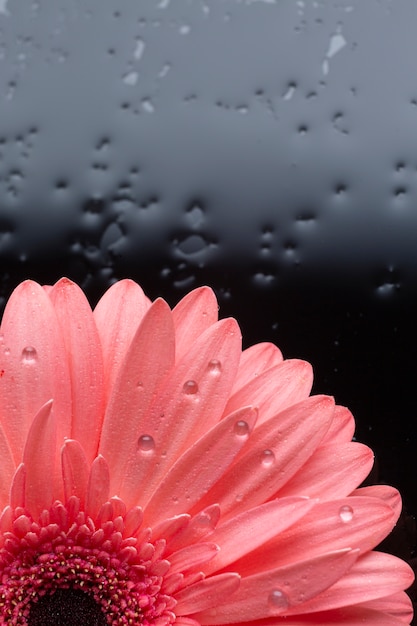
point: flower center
(66, 607)
(65, 568)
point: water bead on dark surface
(264, 148)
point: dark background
(266, 148)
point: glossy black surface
(268, 149)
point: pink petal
(389, 495)
(254, 361)
(34, 365)
(192, 556)
(18, 487)
(199, 526)
(39, 459)
(280, 591)
(200, 467)
(206, 593)
(276, 450)
(274, 389)
(75, 470)
(328, 526)
(98, 487)
(117, 316)
(147, 362)
(373, 576)
(7, 469)
(192, 316)
(189, 403)
(85, 363)
(342, 428)
(398, 604)
(244, 533)
(347, 616)
(350, 464)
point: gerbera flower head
(153, 473)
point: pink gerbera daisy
(153, 473)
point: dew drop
(241, 428)
(346, 513)
(268, 458)
(278, 600)
(146, 443)
(190, 387)
(214, 366)
(205, 520)
(29, 355)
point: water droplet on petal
(190, 387)
(268, 458)
(214, 366)
(277, 599)
(241, 428)
(205, 520)
(346, 513)
(146, 443)
(29, 355)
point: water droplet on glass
(241, 428)
(346, 513)
(214, 366)
(29, 355)
(146, 443)
(277, 599)
(268, 458)
(190, 387)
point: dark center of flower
(65, 568)
(66, 607)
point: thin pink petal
(278, 448)
(342, 428)
(98, 488)
(280, 591)
(190, 402)
(192, 316)
(7, 469)
(328, 526)
(347, 616)
(117, 316)
(199, 526)
(148, 360)
(18, 487)
(373, 576)
(387, 494)
(244, 533)
(75, 470)
(85, 362)
(398, 604)
(275, 389)
(206, 593)
(201, 465)
(350, 464)
(39, 459)
(34, 365)
(192, 556)
(254, 361)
